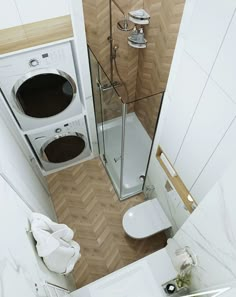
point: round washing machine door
(63, 148)
(44, 93)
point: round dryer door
(63, 148)
(44, 93)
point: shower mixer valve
(107, 87)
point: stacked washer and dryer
(41, 90)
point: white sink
(131, 281)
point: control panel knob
(33, 62)
(58, 130)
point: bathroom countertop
(34, 34)
(141, 278)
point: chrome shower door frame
(124, 113)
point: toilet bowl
(145, 219)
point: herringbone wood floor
(85, 200)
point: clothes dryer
(41, 86)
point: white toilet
(145, 219)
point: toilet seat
(145, 219)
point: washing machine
(61, 145)
(40, 86)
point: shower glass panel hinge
(104, 159)
(107, 87)
(117, 159)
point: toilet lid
(145, 219)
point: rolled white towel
(63, 259)
(54, 244)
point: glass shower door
(108, 111)
(112, 132)
(98, 104)
(139, 132)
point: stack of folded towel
(54, 244)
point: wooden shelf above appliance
(177, 183)
(34, 34)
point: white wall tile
(224, 71)
(79, 45)
(161, 122)
(19, 269)
(217, 165)
(171, 203)
(21, 266)
(213, 117)
(210, 233)
(33, 10)
(9, 16)
(185, 93)
(207, 28)
(210, 230)
(175, 65)
(17, 169)
(187, 17)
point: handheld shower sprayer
(114, 51)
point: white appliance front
(61, 145)
(41, 86)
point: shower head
(125, 25)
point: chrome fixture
(114, 50)
(125, 24)
(117, 159)
(107, 87)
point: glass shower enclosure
(125, 132)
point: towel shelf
(176, 181)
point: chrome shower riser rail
(110, 39)
(124, 111)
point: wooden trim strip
(177, 183)
(33, 34)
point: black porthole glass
(64, 149)
(45, 95)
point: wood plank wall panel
(155, 60)
(103, 21)
(161, 33)
(29, 35)
(96, 13)
(97, 30)
(145, 71)
(90, 15)
(147, 111)
(127, 57)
